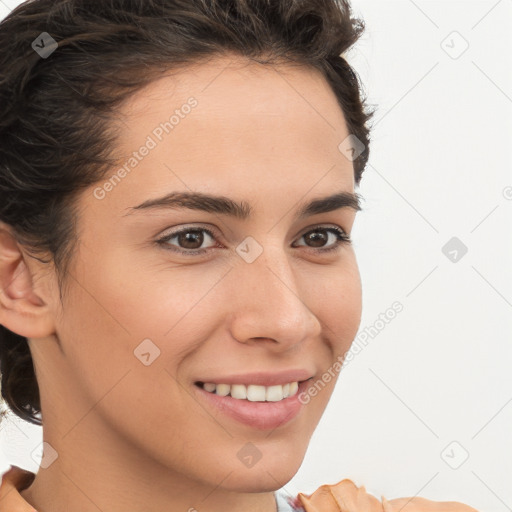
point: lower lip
(260, 415)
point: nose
(269, 303)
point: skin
(130, 436)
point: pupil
(314, 238)
(192, 237)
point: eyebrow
(243, 210)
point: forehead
(252, 87)
(240, 100)
(234, 127)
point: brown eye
(188, 240)
(319, 237)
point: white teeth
(238, 391)
(252, 392)
(255, 393)
(222, 389)
(274, 394)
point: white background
(434, 386)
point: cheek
(102, 328)
(337, 302)
(114, 321)
(145, 298)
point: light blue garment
(282, 502)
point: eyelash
(342, 238)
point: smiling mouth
(252, 392)
(257, 406)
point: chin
(270, 473)
(262, 480)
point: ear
(22, 307)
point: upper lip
(261, 378)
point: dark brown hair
(56, 111)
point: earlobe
(22, 310)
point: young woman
(178, 287)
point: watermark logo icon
(249, 249)
(44, 454)
(249, 455)
(455, 455)
(454, 249)
(454, 45)
(351, 147)
(146, 352)
(44, 45)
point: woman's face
(143, 321)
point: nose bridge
(267, 301)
